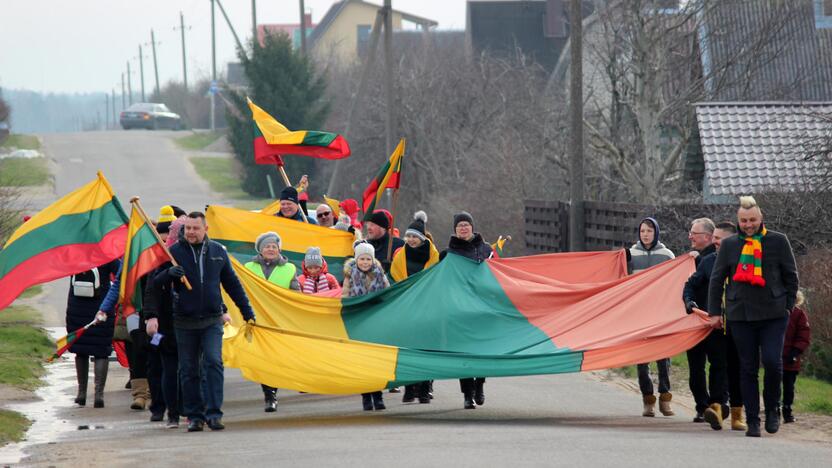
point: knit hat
(378, 217)
(343, 222)
(463, 216)
(313, 257)
(266, 238)
(289, 193)
(166, 214)
(417, 227)
(178, 211)
(364, 247)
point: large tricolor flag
(272, 140)
(83, 229)
(141, 256)
(388, 177)
(544, 314)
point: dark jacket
(745, 302)
(696, 287)
(798, 337)
(380, 245)
(157, 303)
(98, 339)
(207, 268)
(476, 249)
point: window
(823, 14)
(363, 33)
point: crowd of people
(745, 280)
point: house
(753, 147)
(292, 30)
(537, 28)
(346, 28)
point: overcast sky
(84, 45)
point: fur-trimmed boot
(737, 423)
(664, 404)
(649, 406)
(140, 394)
(82, 374)
(100, 368)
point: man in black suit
(760, 291)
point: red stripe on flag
(148, 261)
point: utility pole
(254, 20)
(577, 227)
(390, 123)
(106, 111)
(155, 64)
(113, 102)
(184, 61)
(213, 64)
(141, 71)
(302, 28)
(123, 96)
(129, 85)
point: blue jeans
(207, 343)
(756, 340)
(645, 383)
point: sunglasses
(321, 215)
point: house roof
(337, 7)
(750, 147)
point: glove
(176, 272)
(690, 306)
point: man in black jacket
(379, 234)
(198, 318)
(761, 289)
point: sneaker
(173, 423)
(195, 425)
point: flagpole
(146, 219)
(392, 224)
(289, 184)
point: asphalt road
(561, 420)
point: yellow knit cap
(166, 214)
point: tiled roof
(759, 146)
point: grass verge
(23, 347)
(197, 141)
(31, 291)
(20, 141)
(12, 426)
(23, 172)
(224, 176)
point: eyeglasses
(321, 215)
(691, 233)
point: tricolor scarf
(315, 285)
(750, 266)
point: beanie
(378, 217)
(266, 238)
(289, 193)
(463, 216)
(313, 257)
(364, 247)
(343, 222)
(178, 211)
(417, 227)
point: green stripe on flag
(315, 138)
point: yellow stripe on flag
(272, 208)
(395, 166)
(87, 198)
(273, 131)
(334, 205)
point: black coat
(381, 247)
(696, 287)
(744, 302)
(157, 302)
(476, 249)
(97, 340)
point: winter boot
(469, 400)
(82, 373)
(737, 424)
(378, 401)
(140, 394)
(409, 394)
(367, 401)
(270, 397)
(423, 392)
(753, 429)
(100, 368)
(479, 393)
(788, 416)
(649, 406)
(664, 404)
(773, 420)
(713, 415)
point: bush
(815, 281)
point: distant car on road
(149, 115)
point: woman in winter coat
(86, 291)
(418, 254)
(316, 278)
(646, 253)
(469, 244)
(798, 338)
(364, 275)
(272, 266)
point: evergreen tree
(284, 83)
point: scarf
(362, 283)
(313, 285)
(750, 266)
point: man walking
(198, 316)
(761, 289)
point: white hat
(364, 247)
